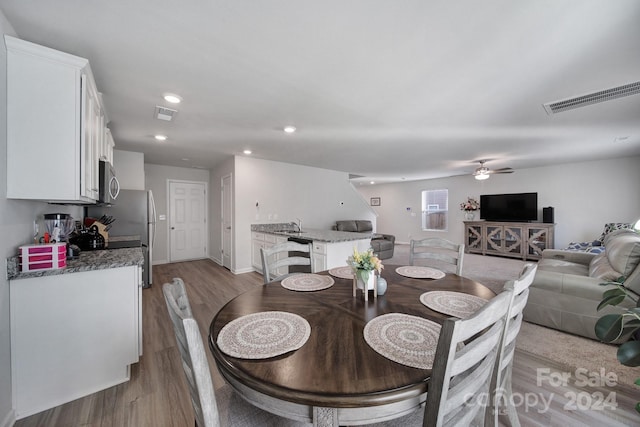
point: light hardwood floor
(157, 395)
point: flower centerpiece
(363, 263)
(469, 207)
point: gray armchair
(382, 244)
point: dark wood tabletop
(335, 368)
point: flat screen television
(509, 207)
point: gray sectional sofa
(382, 244)
(566, 290)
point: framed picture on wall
(375, 201)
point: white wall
(16, 229)
(585, 197)
(285, 192)
(156, 180)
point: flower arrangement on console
(470, 205)
(363, 263)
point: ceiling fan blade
(503, 170)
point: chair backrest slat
(277, 256)
(194, 358)
(463, 364)
(437, 249)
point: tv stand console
(524, 240)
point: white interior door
(187, 222)
(227, 220)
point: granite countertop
(87, 261)
(330, 236)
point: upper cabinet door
(48, 158)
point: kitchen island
(331, 248)
(74, 331)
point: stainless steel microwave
(109, 187)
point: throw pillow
(613, 226)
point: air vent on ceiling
(592, 98)
(164, 113)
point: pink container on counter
(48, 256)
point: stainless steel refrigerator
(134, 212)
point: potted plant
(611, 327)
(363, 263)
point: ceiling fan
(483, 172)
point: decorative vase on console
(470, 207)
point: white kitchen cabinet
(106, 151)
(72, 335)
(55, 124)
(320, 256)
(264, 240)
(328, 255)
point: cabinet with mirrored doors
(524, 240)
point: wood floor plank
(157, 395)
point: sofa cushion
(623, 251)
(601, 268)
(565, 267)
(348, 225)
(364, 226)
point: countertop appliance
(135, 215)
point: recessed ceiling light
(247, 151)
(289, 129)
(161, 137)
(172, 98)
(184, 159)
(372, 182)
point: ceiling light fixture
(161, 137)
(372, 182)
(172, 98)
(481, 176)
(289, 129)
(247, 152)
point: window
(435, 205)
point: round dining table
(335, 377)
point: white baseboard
(161, 261)
(9, 419)
(216, 260)
(243, 270)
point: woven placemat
(306, 282)
(263, 335)
(345, 272)
(456, 304)
(419, 272)
(408, 340)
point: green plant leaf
(629, 353)
(637, 381)
(638, 407)
(609, 327)
(614, 292)
(612, 299)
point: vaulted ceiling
(388, 90)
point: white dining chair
(439, 250)
(234, 411)
(501, 391)
(463, 364)
(276, 260)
